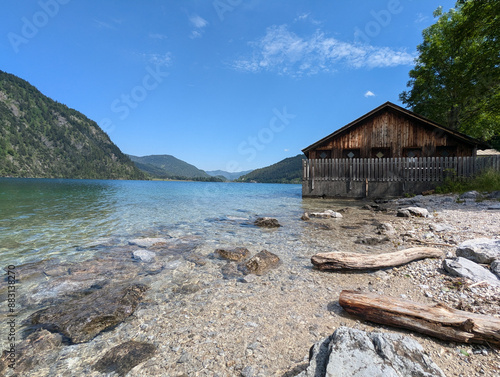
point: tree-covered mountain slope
(288, 170)
(41, 138)
(167, 166)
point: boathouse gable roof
(415, 118)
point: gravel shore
(207, 319)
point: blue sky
(221, 84)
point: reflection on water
(41, 218)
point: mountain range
(167, 166)
(230, 176)
(42, 138)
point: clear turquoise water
(42, 218)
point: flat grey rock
(440, 228)
(418, 211)
(468, 269)
(470, 195)
(480, 250)
(326, 214)
(355, 353)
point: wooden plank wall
(394, 131)
(424, 169)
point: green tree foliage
(41, 138)
(288, 170)
(456, 79)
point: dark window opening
(325, 154)
(381, 153)
(446, 151)
(412, 152)
(351, 153)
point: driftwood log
(357, 261)
(436, 320)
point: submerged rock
(267, 222)
(36, 349)
(355, 353)
(144, 255)
(260, 263)
(148, 242)
(237, 254)
(231, 271)
(122, 358)
(81, 319)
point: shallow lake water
(67, 219)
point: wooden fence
(422, 169)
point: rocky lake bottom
(170, 305)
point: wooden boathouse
(389, 151)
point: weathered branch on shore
(436, 320)
(357, 261)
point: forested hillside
(288, 170)
(42, 138)
(167, 166)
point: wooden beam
(358, 261)
(437, 320)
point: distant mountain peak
(230, 176)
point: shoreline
(203, 324)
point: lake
(68, 219)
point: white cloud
(199, 24)
(102, 24)
(307, 17)
(369, 94)
(195, 34)
(421, 18)
(159, 59)
(157, 36)
(302, 16)
(283, 51)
